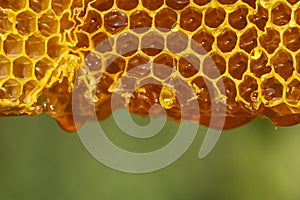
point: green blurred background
(255, 161)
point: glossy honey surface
(239, 59)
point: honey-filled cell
(190, 19)
(152, 4)
(281, 14)
(140, 21)
(139, 66)
(41, 67)
(5, 67)
(26, 23)
(35, 47)
(22, 68)
(165, 19)
(48, 24)
(164, 65)
(214, 17)
(115, 21)
(5, 24)
(10, 90)
(293, 92)
(152, 43)
(13, 45)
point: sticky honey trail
(242, 55)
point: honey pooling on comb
(149, 52)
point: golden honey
(242, 55)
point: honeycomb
(239, 56)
